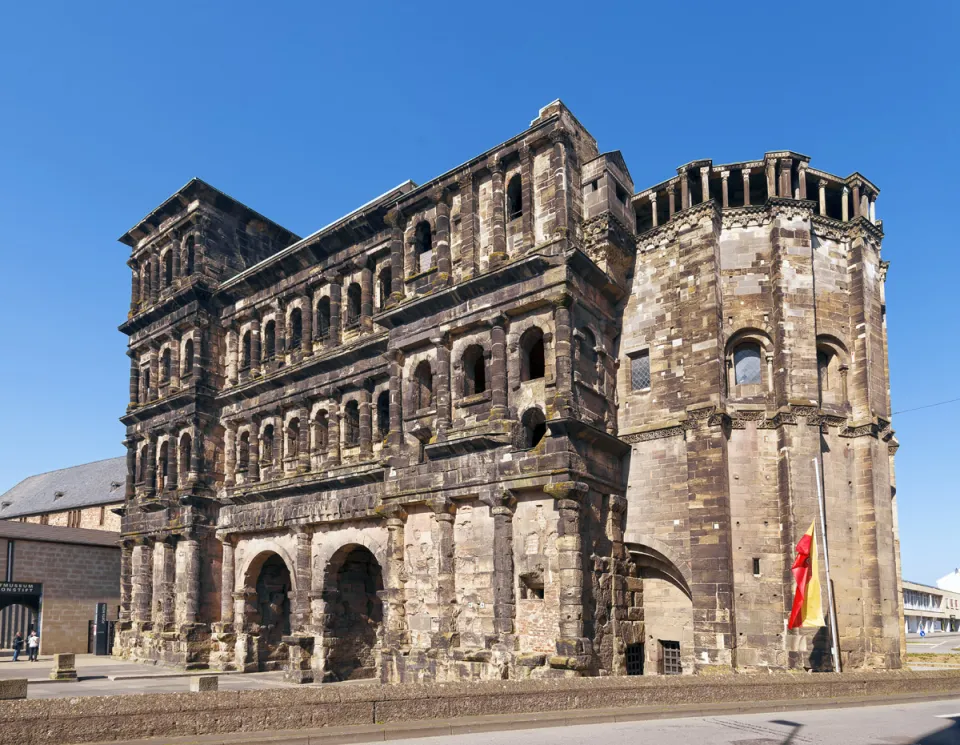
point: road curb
(508, 722)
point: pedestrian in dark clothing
(17, 646)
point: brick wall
(98, 517)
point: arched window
(532, 363)
(145, 376)
(423, 246)
(320, 432)
(422, 386)
(269, 340)
(243, 453)
(351, 423)
(533, 427)
(187, 358)
(383, 414)
(746, 363)
(824, 356)
(323, 318)
(266, 449)
(186, 445)
(587, 363)
(293, 438)
(245, 350)
(296, 329)
(474, 370)
(353, 304)
(514, 197)
(189, 256)
(830, 371)
(162, 460)
(165, 366)
(386, 285)
(168, 269)
(142, 465)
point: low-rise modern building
(53, 579)
(951, 582)
(930, 609)
(78, 497)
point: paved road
(938, 643)
(903, 724)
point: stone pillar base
(300, 666)
(64, 667)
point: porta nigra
(520, 421)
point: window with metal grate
(635, 659)
(670, 658)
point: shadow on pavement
(948, 736)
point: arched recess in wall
(323, 318)
(268, 578)
(832, 366)
(532, 354)
(514, 197)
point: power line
(928, 406)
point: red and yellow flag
(807, 607)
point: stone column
(499, 227)
(504, 601)
(498, 368)
(229, 454)
(653, 208)
(526, 195)
(396, 620)
(856, 199)
(231, 358)
(306, 316)
(845, 208)
(684, 190)
(227, 580)
(154, 366)
(143, 585)
(154, 268)
(198, 343)
(303, 569)
(134, 288)
(395, 369)
(672, 198)
(823, 197)
(802, 179)
(873, 208)
(366, 422)
(443, 515)
(570, 563)
(129, 490)
(771, 169)
(746, 187)
(253, 469)
(705, 182)
(786, 172)
(126, 579)
(191, 579)
(196, 452)
(168, 588)
(563, 356)
(392, 219)
(134, 381)
(724, 177)
(468, 225)
(366, 298)
(333, 338)
(558, 165)
(303, 438)
(333, 438)
(256, 348)
(442, 245)
(151, 486)
(173, 461)
(442, 345)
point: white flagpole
(835, 637)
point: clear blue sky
(305, 111)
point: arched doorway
(270, 614)
(354, 584)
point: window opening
(383, 414)
(270, 340)
(323, 318)
(514, 197)
(245, 351)
(352, 423)
(422, 386)
(534, 428)
(670, 658)
(243, 458)
(531, 585)
(296, 329)
(532, 364)
(353, 304)
(756, 567)
(640, 371)
(423, 245)
(635, 659)
(188, 358)
(168, 269)
(386, 285)
(746, 363)
(474, 371)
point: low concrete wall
(60, 721)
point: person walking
(33, 646)
(17, 646)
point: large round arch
(352, 591)
(269, 581)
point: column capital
(440, 340)
(566, 490)
(495, 164)
(465, 180)
(822, 183)
(394, 513)
(724, 175)
(746, 173)
(564, 300)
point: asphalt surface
(926, 723)
(936, 643)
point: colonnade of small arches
(166, 461)
(161, 272)
(165, 366)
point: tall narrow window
(386, 285)
(189, 255)
(296, 329)
(168, 269)
(186, 445)
(243, 453)
(293, 438)
(383, 414)
(245, 351)
(514, 197)
(587, 363)
(423, 246)
(187, 358)
(142, 465)
(351, 417)
(354, 296)
(474, 371)
(320, 432)
(266, 445)
(162, 461)
(746, 363)
(165, 366)
(532, 363)
(323, 318)
(640, 371)
(533, 428)
(269, 340)
(670, 658)
(422, 386)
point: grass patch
(933, 657)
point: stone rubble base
(418, 710)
